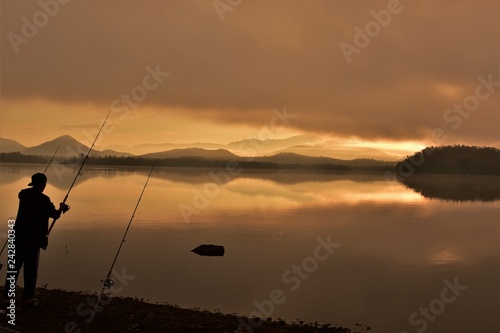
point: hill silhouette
(459, 159)
(67, 143)
(9, 146)
(216, 154)
(293, 158)
(71, 151)
(69, 147)
(305, 145)
(458, 173)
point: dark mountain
(150, 148)
(269, 146)
(243, 147)
(463, 160)
(362, 162)
(9, 146)
(282, 158)
(292, 158)
(69, 147)
(217, 154)
(111, 152)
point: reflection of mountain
(455, 187)
(178, 175)
(201, 176)
(58, 175)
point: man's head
(38, 181)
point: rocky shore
(64, 311)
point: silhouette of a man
(31, 226)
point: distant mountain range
(7, 145)
(306, 145)
(214, 154)
(70, 147)
(243, 147)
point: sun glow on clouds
(396, 148)
(449, 90)
(229, 76)
(445, 256)
(42, 121)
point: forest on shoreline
(432, 160)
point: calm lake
(332, 248)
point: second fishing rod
(108, 282)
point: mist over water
(396, 249)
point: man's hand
(63, 207)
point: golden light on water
(164, 197)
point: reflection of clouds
(392, 252)
(266, 188)
(324, 193)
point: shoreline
(68, 311)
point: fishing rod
(108, 283)
(79, 170)
(44, 171)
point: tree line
(457, 159)
(191, 162)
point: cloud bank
(422, 59)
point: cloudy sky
(381, 74)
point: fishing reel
(108, 283)
(64, 207)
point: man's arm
(56, 213)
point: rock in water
(209, 250)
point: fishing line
(48, 164)
(108, 282)
(79, 170)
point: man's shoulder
(25, 192)
(30, 192)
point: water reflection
(396, 249)
(313, 186)
(455, 187)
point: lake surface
(397, 261)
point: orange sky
(174, 71)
